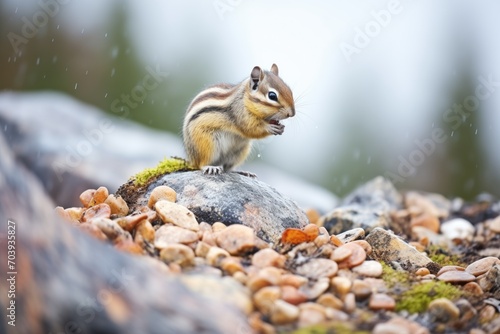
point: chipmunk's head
(268, 96)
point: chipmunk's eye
(272, 96)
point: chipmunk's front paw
(212, 170)
(275, 127)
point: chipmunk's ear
(274, 69)
(257, 75)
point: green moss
(417, 299)
(442, 257)
(165, 166)
(393, 277)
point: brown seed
(482, 266)
(356, 258)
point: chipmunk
(222, 120)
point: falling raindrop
(83, 30)
(17, 8)
(87, 72)
(54, 59)
(53, 39)
(113, 72)
(57, 27)
(432, 124)
(38, 61)
(8, 60)
(259, 155)
(106, 35)
(152, 101)
(475, 132)
(369, 160)
(76, 85)
(452, 132)
(106, 95)
(115, 51)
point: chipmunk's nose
(290, 112)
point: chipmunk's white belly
(228, 148)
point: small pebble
(238, 239)
(443, 310)
(369, 268)
(336, 241)
(449, 268)
(284, 313)
(495, 225)
(312, 231)
(215, 255)
(356, 258)
(129, 246)
(315, 289)
(202, 249)
(487, 313)
(146, 230)
(381, 301)
(428, 221)
(341, 285)
(473, 288)
(218, 226)
(458, 228)
(456, 277)
(129, 223)
(482, 266)
(292, 295)
(311, 314)
(350, 302)
(265, 297)
(268, 257)
(398, 325)
(467, 311)
(93, 230)
(264, 277)
(361, 289)
(341, 253)
(318, 267)
(86, 197)
(351, 235)
(75, 214)
(162, 193)
(110, 228)
(176, 214)
(117, 205)
(312, 215)
(177, 253)
(97, 211)
(330, 300)
(169, 234)
(365, 245)
(422, 272)
(100, 196)
(293, 280)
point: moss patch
(165, 166)
(393, 277)
(417, 299)
(442, 257)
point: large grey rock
(388, 247)
(71, 146)
(231, 198)
(367, 207)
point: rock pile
(365, 278)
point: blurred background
(405, 89)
